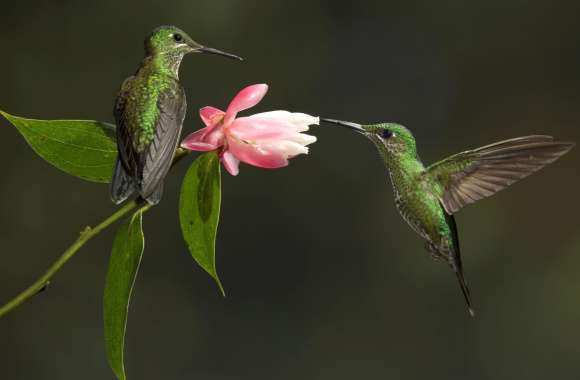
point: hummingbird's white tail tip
(471, 312)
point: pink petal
(261, 128)
(196, 141)
(215, 136)
(199, 146)
(256, 155)
(207, 113)
(247, 98)
(231, 163)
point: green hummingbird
(427, 197)
(149, 112)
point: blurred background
(324, 279)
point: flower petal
(260, 128)
(199, 146)
(231, 163)
(247, 98)
(255, 155)
(196, 141)
(303, 120)
(208, 113)
(288, 149)
(302, 139)
(300, 120)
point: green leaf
(199, 211)
(83, 148)
(123, 267)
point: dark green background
(324, 279)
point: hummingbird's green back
(141, 95)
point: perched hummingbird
(427, 197)
(149, 113)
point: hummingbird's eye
(386, 134)
(177, 37)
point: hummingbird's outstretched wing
(156, 160)
(475, 174)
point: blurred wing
(127, 154)
(157, 158)
(476, 174)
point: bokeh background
(324, 279)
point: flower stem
(86, 235)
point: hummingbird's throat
(169, 63)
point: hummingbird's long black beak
(209, 50)
(346, 124)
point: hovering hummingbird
(149, 113)
(427, 197)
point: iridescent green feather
(141, 108)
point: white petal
(302, 139)
(288, 148)
(300, 121)
(273, 114)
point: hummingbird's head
(395, 138)
(173, 41)
(390, 138)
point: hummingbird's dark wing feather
(122, 183)
(157, 158)
(475, 174)
(127, 154)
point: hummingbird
(149, 112)
(428, 197)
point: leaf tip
(219, 284)
(5, 114)
(121, 375)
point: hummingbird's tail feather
(122, 185)
(455, 261)
(155, 196)
(450, 255)
(465, 290)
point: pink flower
(265, 140)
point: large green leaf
(83, 148)
(123, 267)
(199, 211)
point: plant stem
(86, 235)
